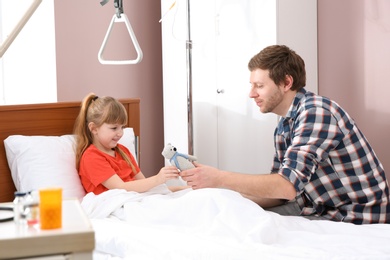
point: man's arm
(266, 189)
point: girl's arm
(142, 184)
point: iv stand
(189, 83)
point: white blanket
(219, 224)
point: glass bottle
(19, 208)
(32, 208)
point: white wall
(297, 28)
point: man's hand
(202, 176)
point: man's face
(267, 95)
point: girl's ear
(92, 127)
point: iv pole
(189, 82)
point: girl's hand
(167, 173)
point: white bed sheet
(219, 224)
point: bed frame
(46, 119)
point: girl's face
(106, 136)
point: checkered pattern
(336, 173)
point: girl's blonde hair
(98, 110)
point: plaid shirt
(333, 168)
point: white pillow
(45, 161)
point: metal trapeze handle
(120, 17)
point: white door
(229, 131)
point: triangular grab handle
(122, 19)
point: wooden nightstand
(75, 240)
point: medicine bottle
(19, 208)
(32, 208)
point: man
(323, 168)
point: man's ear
(288, 82)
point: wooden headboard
(51, 119)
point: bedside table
(75, 240)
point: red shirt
(96, 167)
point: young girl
(102, 162)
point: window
(28, 67)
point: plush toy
(181, 161)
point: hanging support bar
(118, 4)
(120, 17)
(19, 26)
(119, 7)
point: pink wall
(80, 30)
(354, 54)
(353, 40)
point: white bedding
(219, 224)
